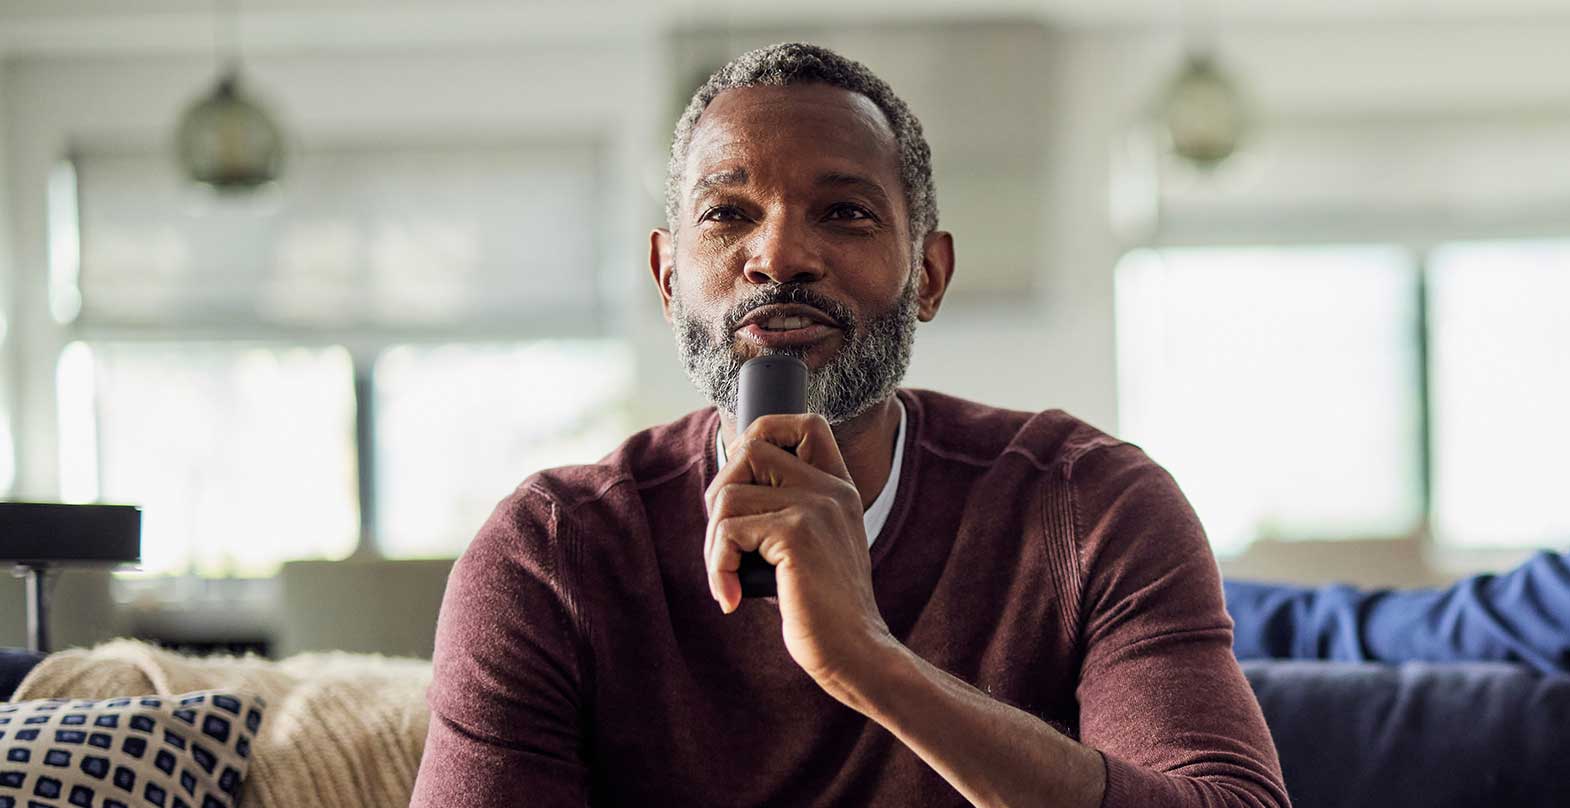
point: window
(1499, 326)
(1279, 385)
(240, 456)
(454, 238)
(353, 355)
(459, 426)
(1300, 392)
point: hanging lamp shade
(228, 141)
(1202, 113)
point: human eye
(722, 214)
(849, 212)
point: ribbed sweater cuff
(1129, 786)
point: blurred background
(319, 318)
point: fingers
(733, 536)
(811, 436)
(765, 493)
(759, 458)
(745, 500)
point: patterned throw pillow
(189, 751)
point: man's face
(794, 239)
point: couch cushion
(191, 750)
(1430, 735)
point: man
(974, 604)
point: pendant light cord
(226, 36)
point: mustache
(790, 294)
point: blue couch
(1426, 735)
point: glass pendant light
(226, 139)
(1202, 113)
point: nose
(783, 252)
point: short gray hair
(799, 63)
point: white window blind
(443, 237)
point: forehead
(800, 126)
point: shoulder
(1084, 479)
(551, 510)
(532, 527)
(650, 458)
(1051, 441)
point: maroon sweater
(581, 660)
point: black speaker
(40, 537)
(52, 534)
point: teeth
(786, 323)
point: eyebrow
(857, 182)
(708, 182)
(836, 179)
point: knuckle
(747, 448)
(724, 500)
(722, 535)
(728, 537)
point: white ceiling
(41, 27)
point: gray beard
(866, 370)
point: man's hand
(803, 514)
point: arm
(1161, 696)
(1519, 616)
(504, 698)
(1166, 716)
(992, 753)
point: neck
(866, 442)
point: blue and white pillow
(189, 751)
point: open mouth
(782, 326)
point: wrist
(866, 685)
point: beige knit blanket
(339, 729)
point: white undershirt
(878, 512)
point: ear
(937, 268)
(662, 263)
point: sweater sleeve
(1160, 694)
(506, 691)
(1520, 616)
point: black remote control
(770, 385)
